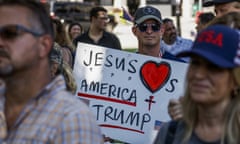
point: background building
(181, 11)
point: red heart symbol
(155, 75)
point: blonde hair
(63, 68)
(69, 78)
(231, 131)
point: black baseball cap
(208, 3)
(145, 13)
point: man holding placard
(148, 30)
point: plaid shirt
(53, 116)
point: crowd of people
(37, 86)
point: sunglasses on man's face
(11, 32)
(143, 27)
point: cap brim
(142, 19)
(208, 56)
(215, 2)
(208, 4)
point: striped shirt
(53, 116)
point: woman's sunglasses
(11, 32)
(143, 27)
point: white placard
(127, 92)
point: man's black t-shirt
(108, 40)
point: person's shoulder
(66, 97)
(170, 56)
(81, 38)
(109, 34)
(66, 49)
(84, 35)
(73, 116)
(162, 133)
(69, 103)
(185, 40)
(170, 132)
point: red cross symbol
(150, 101)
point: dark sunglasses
(10, 32)
(143, 27)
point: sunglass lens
(155, 27)
(143, 27)
(9, 32)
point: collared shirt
(108, 40)
(181, 44)
(169, 56)
(53, 116)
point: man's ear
(134, 30)
(162, 29)
(46, 43)
(93, 19)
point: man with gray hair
(36, 108)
